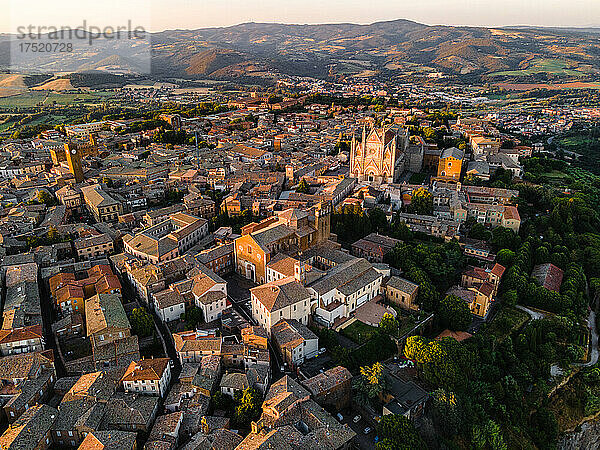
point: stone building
(380, 156)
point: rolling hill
(392, 48)
(384, 47)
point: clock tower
(74, 160)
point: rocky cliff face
(587, 436)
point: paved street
(47, 319)
(535, 315)
(238, 290)
(363, 441)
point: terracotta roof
(29, 430)
(103, 311)
(113, 440)
(167, 298)
(291, 333)
(511, 213)
(402, 285)
(476, 272)
(146, 369)
(281, 293)
(283, 264)
(69, 291)
(60, 279)
(486, 288)
(327, 380)
(498, 270)
(548, 276)
(107, 283)
(189, 342)
(20, 334)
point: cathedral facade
(379, 157)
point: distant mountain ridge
(391, 48)
(384, 47)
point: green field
(34, 98)
(574, 143)
(359, 332)
(587, 144)
(541, 65)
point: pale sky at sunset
(190, 14)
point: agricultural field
(556, 177)
(542, 65)
(40, 98)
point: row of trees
(352, 223)
(433, 267)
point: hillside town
(286, 271)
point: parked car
(367, 430)
(322, 350)
(356, 419)
(340, 417)
(406, 363)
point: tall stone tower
(74, 160)
(323, 221)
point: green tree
(378, 220)
(141, 322)
(398, 432)
(478, 231)
(510, 297)
(370, 383)
(489, 435)
(221, 401)
(421, 202)
(52, 234)
(545, 428)
(401, 231)
(303, 187)
(414, 346)
(45, 198)
(193, 316)
(248, 406)
(454, 313)
(505, 257)
(389, 324)
(445, 412)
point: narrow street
(171, 352)
(535, 315)
(238, 290)
(46, 308)
(165, 334)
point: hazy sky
(171, 14)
